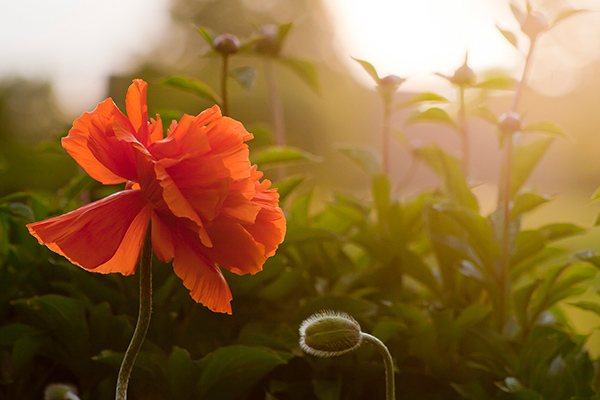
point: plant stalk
(145, 310)
(276, 106)
(464, 135)
(388, 362)
(224, 76)
(503, 278)
(387, 133)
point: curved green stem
(388, 363)
(145, 310)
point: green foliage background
(420, 272)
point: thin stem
(506, 197)
(276, 105)
(385, 150)
(462, 126)
(224, 75)
(388, 362)
(145, 310)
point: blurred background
(60, 58)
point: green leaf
(365, 159)
(180, 374)
(285, 187)
(486, 114)
(566, 14)
(427, 97)
(206, 35)
(497, 83)
(561, 230)
(592, 306)
(448, 168)
(590, 257)
(525, 202)
(193, 86)
(277, 155)
(245, 76)
(367, 66)
(63, 316)
(508, 35)
(305, 70)
(431, 115)
(524, 160)
(381, 195)
(10, 333)
(547, 127)
(283, 30)
(232, 371)
(521, 299)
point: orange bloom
(197, 187)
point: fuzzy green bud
(329, 333)
(60, 391)
(509, 122)
(227, 44)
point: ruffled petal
(226, 137)
(137, 110)
(92, 143)
(234, 248)
(202, 277)
(105, 235)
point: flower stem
(388, 363)
(143, 321)
(276, 106)
(506, 197)
(385, 150)
(463, 129)
(224, 76)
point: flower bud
(464, 75)
(329, 333)
(509, 122)
(268, 43)
(227, 44)
(534, 24)
(60, 391)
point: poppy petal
(137, 110)
(205, 281)
(226, 138)
(90, 138)
(96, 236)
(234, 248)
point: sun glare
(416, 38)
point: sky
(77, 44)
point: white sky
(78, 43)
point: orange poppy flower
(205, 202)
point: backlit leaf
(525, 159)
(431, 115)
(427, 97)
(547, 127)
(193, 86)
(277, 155)
(364, 159)
(508, 35)
(245, 76)
(305, 70)
(367, 66)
